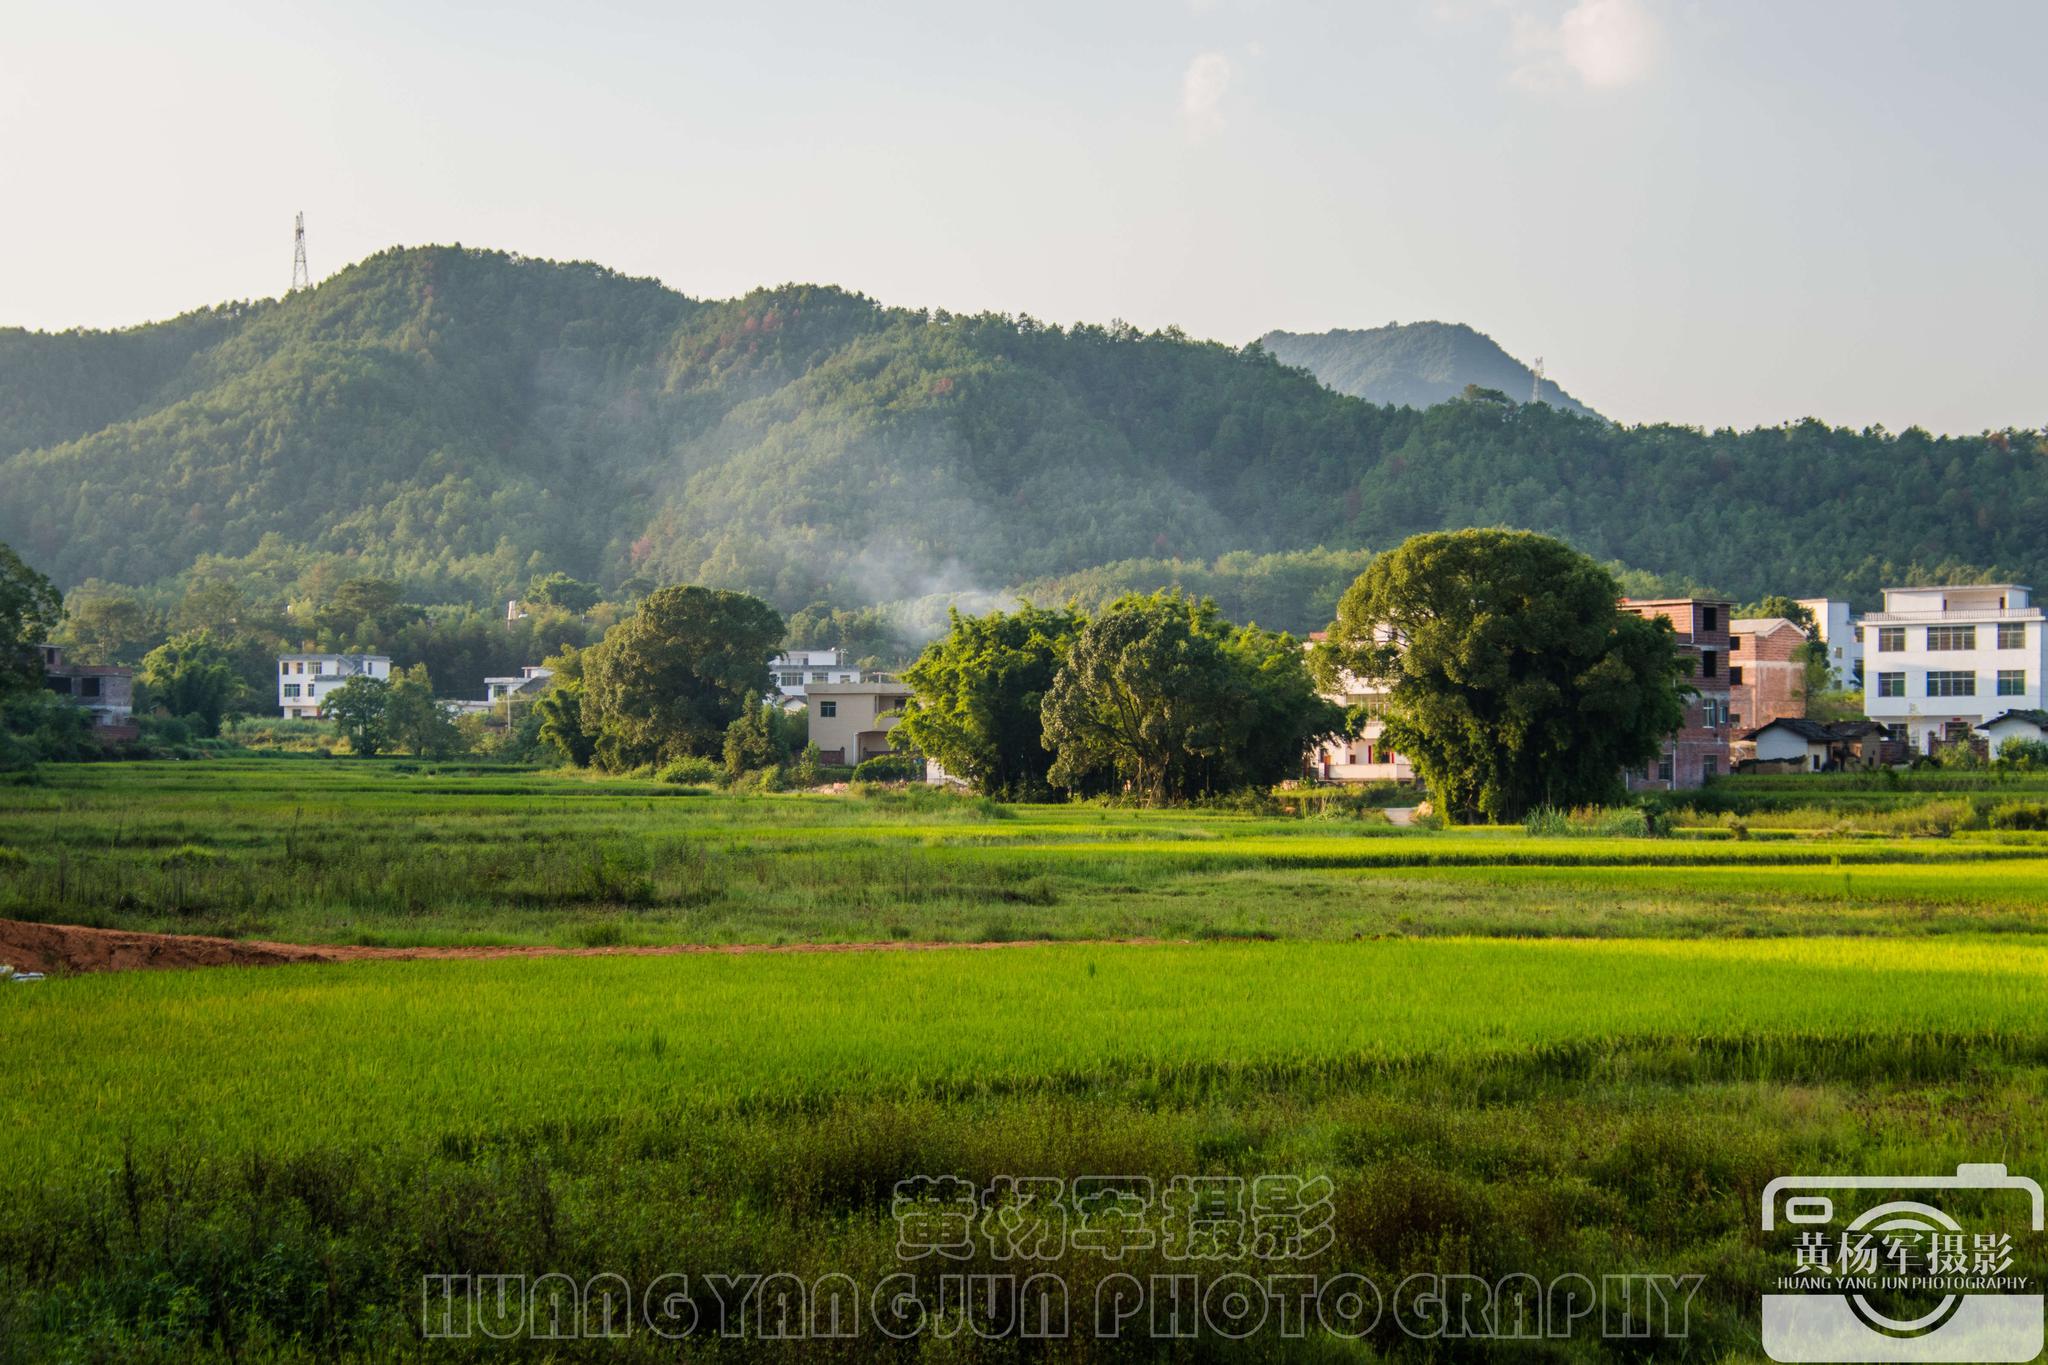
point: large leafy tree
(30, 609)
(1516, 679)
(414, 720)
(361, 709)
(572, 595)
(102, 627)
(980, 688)
(1160, 694)
(670, 679)
(193, 676)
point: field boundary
(72, 948)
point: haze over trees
(1515, 680)
(461, 423)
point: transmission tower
(301, 277)
(1536, 381)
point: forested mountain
(1413, 364)
(462, 420)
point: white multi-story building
(1365, 756)
(303, 679)
(1938, 662)
(1842, 634)
(795, 670)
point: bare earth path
(70, 948)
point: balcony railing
(1962, 616)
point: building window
(1708, 767)
(1734, 675)
(2012, 635)
(2012, 682)
(1708, 619)
(1708, 667)
(284, 666)
(1664, 768)
(821, 677)
(1951, 684)
(1891, 684)
(1891, 639)
(61, 686)
(1951, 637)
(792, 679)
(90, 687)
(828, 708)
(291, 689)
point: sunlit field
(1508, 1054)
(396, 853)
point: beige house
(851, 721)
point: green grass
(1508, 1054)
(404, 853)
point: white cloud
(1202, 88)
(1600, 44)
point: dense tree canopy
(1515, 679)
(1160, 695)
(461, 422)
(670, 679)
(192, 677)
(30, 609)
(979, 691)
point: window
(1709, 619)
(1664, 768)
(828, 708)
(1891, 684)
(821, 677)
(2012, 682)
(1891, 639)
(792, 679)
(61, 686)
(284, 666)
(1734, 675)
(1951, 637)
(1951, 684)
(1708, 767)
(291, 689)
(90, 687)
(2012, 635)
(1708, 667)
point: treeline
(460, 421)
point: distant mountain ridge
(462, 420)
(1413, 364)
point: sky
(1732, 213)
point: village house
(850, 721)
(1366, 756)
(104, 690)
(1939, 663)
(796, 670)
(1699, 751)
(1798, 745)
(2002, 730)
(1765, 679)
(303, 680)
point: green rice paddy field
(1508, 1055)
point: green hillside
(463, 419)
(1413, 364)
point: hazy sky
(1725, 212)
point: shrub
(2024, 755)
(1591, 822)
(890, 768)
(2019, 815)
(690, 771)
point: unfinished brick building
(1700, 748)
